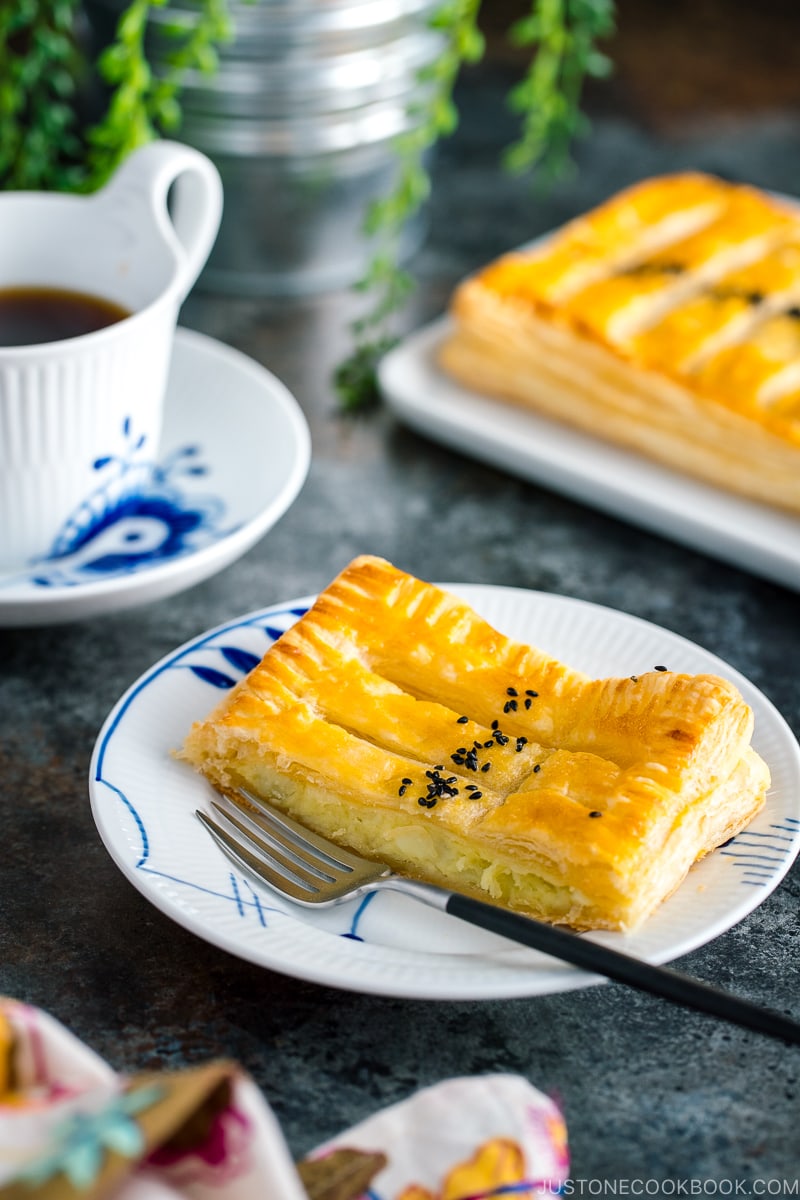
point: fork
(309, 870)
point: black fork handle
(590, 956)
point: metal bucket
(300, 119)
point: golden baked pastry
(666, 320)
(394, 720)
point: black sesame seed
(461, 750)
(439, 767)
(595, 813)
(635, 678)
(501, 738)
(486, 767)
(528, 703)
(521, 741)
(530, 692)
(477, 745)
(471, 787)
(423, 800)
(440, 788)
(507, 706)
(660, 668)
(495, 724)
(402, 791)
(477, 795)
(406, 781)
(488, 745)
(462, 720)
(537, 768)
(512, 692)
(458, 759)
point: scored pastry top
(393, 696)
(688, 275)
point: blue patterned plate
(143, 801)
(234, 454)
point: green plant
(142, 104)
(562, 36)
(40, 72)
(50, 139)
(47, 140)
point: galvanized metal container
(300, 119)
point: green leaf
(167, 113)
(599, 65)
(355, 380)
(206, 59)
(114, 62)
(130, 27)
(526, 31)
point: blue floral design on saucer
(141, 515)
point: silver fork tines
(290, 858)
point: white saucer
(234, 454)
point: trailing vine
(433, 115)
(143, 104)
(47, 139)
(562, 36)
(40, 72)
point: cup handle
(191, 221)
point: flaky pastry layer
(667, 320)
(393, 719)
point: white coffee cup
(80, 418)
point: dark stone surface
(649, 1091)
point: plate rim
(562, 977)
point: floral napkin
(73, 1129)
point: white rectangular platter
(752, 536)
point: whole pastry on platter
(394, 720)
(667, 320)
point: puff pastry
(666, 320)
(393, 719)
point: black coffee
(30, 316)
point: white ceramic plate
(749, 535)
(144, 802)
(234, 454)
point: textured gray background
(649, 1091)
